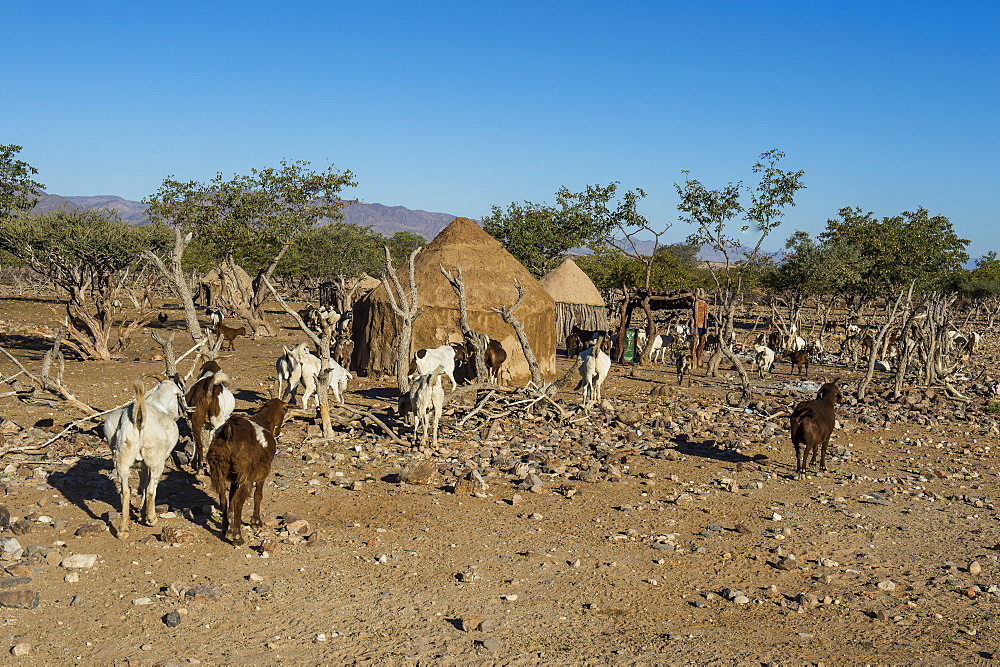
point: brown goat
(211, 403)
(494, 357)
(229, 334)
(683, 362)
(342, 352)
(800, 361)
(812, 425)
(240, 460)
(574, 345)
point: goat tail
(220, 378)
(139, 411)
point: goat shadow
(379, 393)
(89, 484)
(250, 396)
(708, 449)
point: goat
(342, 351)
(285, 370)
(593, 370)
(345, 324)
(811, 426)
(683, 362)
(428, 359)
(764, 359)
(216, 316)
(797, 343)
(321, 319)
(659, 346)
(229, 334)
(775, 340)
(143, 434)
(306, 371)
(574, 345)
(212, 404)
(799, 360)
(240, 460)
(426, 400)
(494, 357)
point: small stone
(142, 601)
(493, 644)
(255, 577)
(206, 592)
(146, 647)
(19, 599)
(509, 598)
(882, 615)
(975, 567)
(90, 529)
(21, 527)
(270, 547)
(887, 585)
(12, 582)
(743, 529)
(177, 535)
(21, 649)
(72, 577)
(470, 623)
(418, 472)
(299, 527)
(79, 561)
(486, 626)
(172, 620)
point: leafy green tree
(895, 251)
(332, 250)
(18, 192)
(401, 244)
(91, 255)
(539, 235)
(712, 214)
(252, 221)
(987, 267)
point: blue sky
(455, 106)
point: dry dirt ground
(679, 539)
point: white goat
(427, 360)
(285, 368)
(660, 344)
(593, 370)
(796, 343)
(216, 316)
(306, 369)
(427, 401)
(764, 359)
(143, 434)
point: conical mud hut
(489, 272)
(577, 300)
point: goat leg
(237, 502)
(149, 496)
(822, 456)
(126, 499)
(258, 495)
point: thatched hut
(489, 272)
(577, 300)
(215, 286)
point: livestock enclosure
(663, 526)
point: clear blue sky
(454, 106)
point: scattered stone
(975, 567)
(90, 529)
(9, 546)
(19, 599)
(887, 585)
(142, 601)
(20, 527)
(298, 527)
(418, 472)
(20, 650)
(12, 582)
(255, 577)
(4, 517)
(270, 547)
(743, 529)
(172, 620)
(493, 644)
(72, 577)
(206, 592)
(23, 569)
(177, 535)
(149, 539)
(79, 561)
(470, 623)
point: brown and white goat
(212, 404)
(426, 360)
(240, 461)
(812, 425)
(229, 334)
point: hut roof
(567, 283)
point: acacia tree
(97, 259)
(252, 220)
(18, 192)
(539, 235)
(711, 213)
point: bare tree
(404, 304)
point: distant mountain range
(386, 220)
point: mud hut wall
(376, 328)
(591, 318)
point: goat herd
(238, 450)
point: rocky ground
(661, 528)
